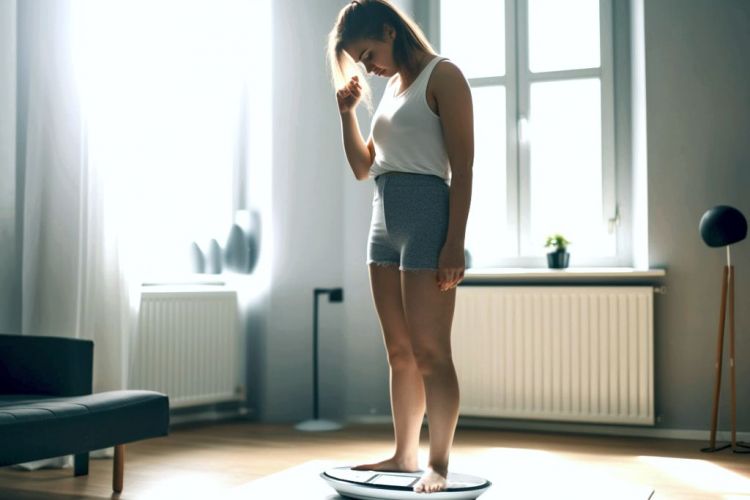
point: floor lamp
(317, 424)
(723, 226)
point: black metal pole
(334, 295)
(315, 354)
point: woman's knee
(401, 358)
(432, 359)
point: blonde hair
(362, 19)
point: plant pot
(558, 259)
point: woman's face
(376, 55)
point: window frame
(517, 80)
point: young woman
(420, 156)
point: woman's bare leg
(429, 315)
(407, 389)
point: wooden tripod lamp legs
(717, 365)
(727, 285)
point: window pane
(563, 34)
(566, 166)
(487, 235)
(459, 26)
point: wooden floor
(201, 461)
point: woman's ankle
(407, 461)
(440, 468)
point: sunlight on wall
(260, 137)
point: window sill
(185, 279)
(577, 275)
(186, 283)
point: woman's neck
(419, 61)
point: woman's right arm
(359, 154)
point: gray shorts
(409, 221)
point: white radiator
(555, 353)
(188, 346)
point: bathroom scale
(376, 485)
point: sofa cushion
(32, 408)
(33, 426)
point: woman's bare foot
(391, 465)
(431, 481)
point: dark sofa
(47, 408)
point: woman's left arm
(453, 97)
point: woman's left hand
(451, 266)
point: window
(164, 87)
(541, 75)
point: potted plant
(559, 257)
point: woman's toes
(430, 482)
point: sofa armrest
(55, 366)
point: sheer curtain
(128, 137)
(129, 119)
(73, 279)
(163, 88)
(73, 282)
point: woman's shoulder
(447, 69)
(446, 76)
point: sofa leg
(119, 468)
(81, 464)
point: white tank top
(406, 133)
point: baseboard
(566, 428)
(215, 415)
(205, 415)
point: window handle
(524, 130)
(614, 222)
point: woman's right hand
(349, 95)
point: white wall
(308, 167)
(698, 122)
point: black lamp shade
(723, 225)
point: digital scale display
(392, 480)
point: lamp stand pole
(727, 288)
(317, 424)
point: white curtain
(129, 142)
(74, 282)
(130, 118)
